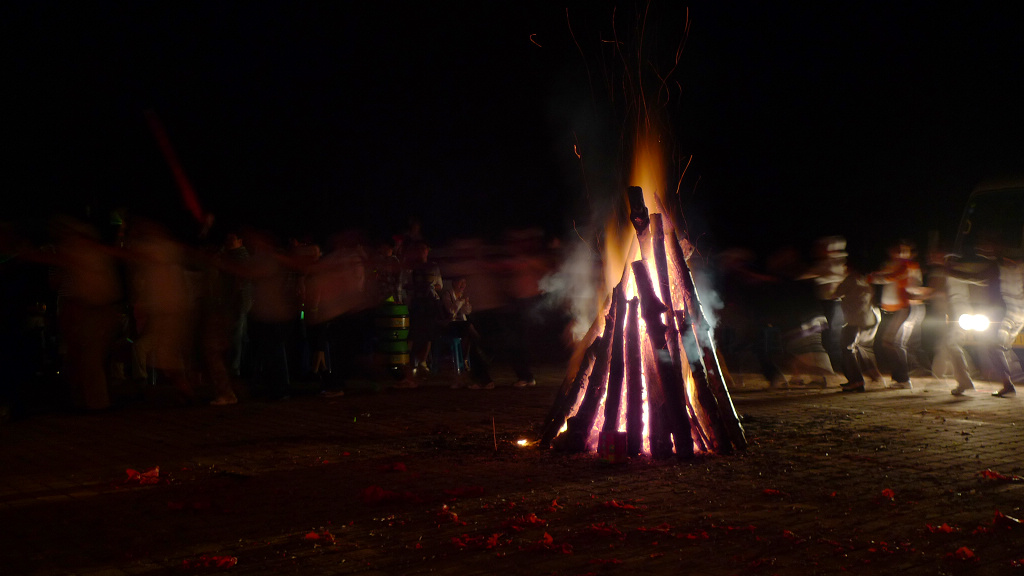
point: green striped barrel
(392, 327)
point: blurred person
(426, 315)
(273, 312)
(215, 321)
(88, 308)
(338, 299)
(861, 321)
(1011, 288)
(827, 272)
(793, 310)
(521, 272)
(744, 326)
(902, 307)
(234, 260)
(457, 309)
(162, 303)
(952, 297)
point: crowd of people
(111, 312)
(840, 315)
(239, 313)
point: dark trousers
(897, 327)
(270, 344)
(858, 352)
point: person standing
(828, 271)
(902, 307)
(1011, 288)
(857, 336)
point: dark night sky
(867, 119)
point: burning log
(617, 368)
(598, 382)
(634, 382)
(709, 354)
(668, 377)
(567, 399)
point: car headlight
(974, 322)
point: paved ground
(429, 481)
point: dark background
(867, 119)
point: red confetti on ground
(993, 475)
(447, 514)
(619, 505)
(151, 476)
(702, 535)
(211, 562)
(664, 527)
(323, 536)
(519, 523)
(773, 492)
(554, 506)
(478, 542)
(1017, 563)
(944, 528)
(962, 553)
(605, 529)
(789, 535)
(1003, 521)
(548, 543)
(889, 494)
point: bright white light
(974, 322)
(522, 442)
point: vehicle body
(993, 217)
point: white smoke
(574, 286)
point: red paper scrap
(1003, 521)
(211, 562)
(479, 542)
(889, 494)
(702, 535)
(548, 543)
(789, 535)
(944, 528)
(605, 529)
(663, 527)
(620, 505)
(519, 522)
(962, 553)
(773, 492)
(324, 536)
(993, 475)
(452, 516)
(151, 476)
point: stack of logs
(689, 404)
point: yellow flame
(648, 172)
